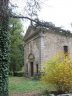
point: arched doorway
(31, 59)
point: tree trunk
(4, 59)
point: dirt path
(25, 94)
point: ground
(26, 94)
(21, 86)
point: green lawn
(22, 84)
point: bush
(19, 74)
(58, 72)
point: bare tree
(32, 7)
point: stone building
(42, 44)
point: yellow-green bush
(58, 71)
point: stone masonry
(41, 45)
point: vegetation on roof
(42, 25)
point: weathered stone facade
(42, 44)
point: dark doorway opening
(37, 68)
(32, 69)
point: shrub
(17, 73)
(58, 71)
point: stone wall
(44, 46)
(32, 46)
(52, 44)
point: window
(66, 50)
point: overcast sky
(56, 11)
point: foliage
(18, 74)
(4, 49)
(58, 72)
(4, 58)
(16, 52)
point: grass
(22, 84)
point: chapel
(42, 43)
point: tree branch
(23, 17)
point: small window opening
(66, 50)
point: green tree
(16, 52)
(4, 47)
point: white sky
(56, 11)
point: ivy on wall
(4, 49)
